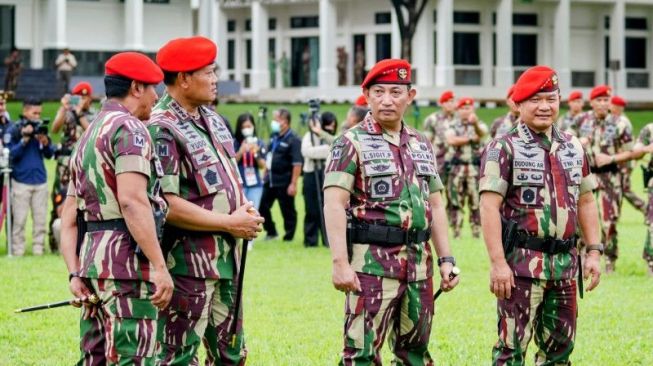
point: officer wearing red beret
(208, 209)
(434, 127)
(114, 191)
(382, 205)
(72, 119)
(570, 121)
(536, 191)
(609, 143)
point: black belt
(107, 225)
(464, 162)
(545, 245)
(386, 236)
(610, 168)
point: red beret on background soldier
(383, 262)
(536, 192)
(119, 258)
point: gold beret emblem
(402, 73)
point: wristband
(71, 275)
(451, 260)
(598, 247)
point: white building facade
(288, 49)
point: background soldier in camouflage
(463, 137)
(608, 142)
(617, 105)
(570, 121)
(391, 205)
(643, 146)
(74, 120)
(503, 124)
(434, 128)
(208, 210)
(114, 182)
(539, 179)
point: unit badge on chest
(381, 187)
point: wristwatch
(71, 275)
(451, 260)
(598, 247)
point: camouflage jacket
(541, 181)
(468, 153)
(646, 138)
(607, 136)
(502, 125)
(569, 124)
(434, 127)
(390, 178)
(72, 130)
(199, 166)
(116, 142)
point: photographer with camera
(29, 145)
(72, 119)
(316, 145)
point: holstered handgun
(647, 174)
(508, 231)
(81, 230)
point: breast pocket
(207, 172)
(425, 172)
(529, 185)
(382, 181)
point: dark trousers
(287, 206)
(312, 220)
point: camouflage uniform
(626, 170)
(503, 125)
(396, 282)
(124, 332)
(462, 184)
(646, 138)
(72, 131)
(434, 127)
(541, 182)
(569, 123)
(199, 166)
(609, 137)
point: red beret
(616, 100)
(134, 66)
(465, 101)
(537, 79)
(361, 101)
(187, 54)
(388, 71)
(575, 95)
(446, 96)
(82, 88)
(510, 91)
(600, 91)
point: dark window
(466, 49)
(635, 53)
(383, 46)
(248, 54)
(637, 79)
(248, 25)
(272, 47)
(435, 47)
(435, 16)
(582, 79)
(494, 18)
(607, 52)
(231, 54)
(524, 19)
(305, 22)
(606, 22)
(636, 23)
(494, 49)
(524, 49)
(466, 17)
(156, 1)
(272, 23)
(382, 18)
(231, 25)
(467, 77)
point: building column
(327, 74)
(260, 75)
(133, 24)
(395, 37)
(504, 75)
(36, 61)
(444, 72)
(487, 68)
(205, 18)
(422, 57)
(57, 29)
(562, 42)
(219, 36)
(617, 49)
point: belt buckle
(411, 236)
(551, 245)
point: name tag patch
(374, 155)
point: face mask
(275, 127)
(330, 129)
(248, 131)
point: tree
(408, 13)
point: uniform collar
(372, 127)
(114, 106)
(529, 136)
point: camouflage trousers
(463, 188)
(201, 308)
(609, 199)
(648, 243)
(628, 193)
(124, 330)
(404, 308)
(545, 309)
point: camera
(40, 127)
(74, 100)
(313, 107)
(262, 112)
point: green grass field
(293, 316)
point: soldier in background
(115, 189)
(434, 128)
(536, 189)
(608, 142)
(644, 145)
(464, 137)
(570, 121)
(356, 113)
(503, 124)
(382, 205)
